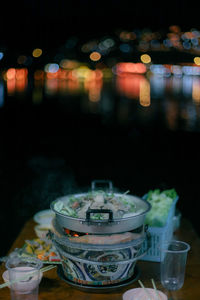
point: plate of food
(41, 249)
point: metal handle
(99, 211)
(104, 182)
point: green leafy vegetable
(160, 205)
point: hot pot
(111, 224)
(99, 252)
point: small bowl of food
(42, 230)
(144, 294)
(44, 217)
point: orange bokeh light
(129, 85)
(128, 67)
(95, 56)
(10, 74)
(21, 74)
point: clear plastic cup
(24, 277)
(173, 263)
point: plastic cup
(173, 263)
(25, 277)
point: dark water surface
(55, 142)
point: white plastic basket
(158, 235)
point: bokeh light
(69, 64)
(10, 74)
(95, 56)
(197, 60)
(128, 67)
(1, 55)
(37, 52)
(145, 58)
(51, 68)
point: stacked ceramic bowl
(103, 251)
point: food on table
(42, 249)
(161, 202)
(122, 205)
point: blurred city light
(16, 80)
(129, 85)
(196, 90)
(94, 88)
(1, 55)
(1, 93)
(106, 44)
(95, 56)
(127, 36)
(197, 60)
(144, 97)
(37, 52)
(81, 73)
(160, 70)
(69, 64)
(21, 74)
(51, 68)
(145, 58)
(10, 74)
(128, 67)
(120, 58)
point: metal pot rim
(148, 207)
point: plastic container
(173, 263)
(159, 235)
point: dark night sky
(41, 22)
(48, 23)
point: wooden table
(53, 288)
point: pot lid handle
(99, 211)
(101, 184)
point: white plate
(44, 217)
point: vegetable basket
(158, 235)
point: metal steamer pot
(92, 265)
(110, 225)
(99, 265)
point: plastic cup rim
(162, 248)
(38, 265)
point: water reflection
(175, 97)
(196, 90)
(1, 93)
(16, 80)
(129, 85)
(145, 93)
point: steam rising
(51, 179)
